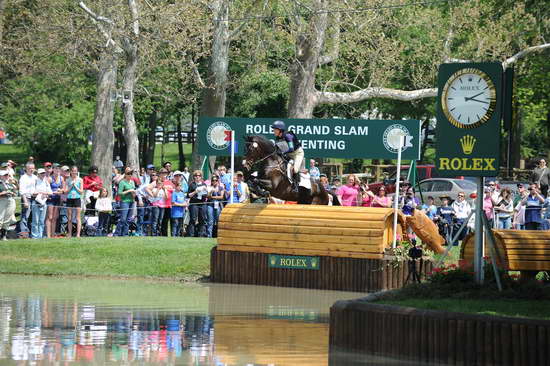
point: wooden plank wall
(361, 332)
(335, 273)
(351, 232)
(520, 250)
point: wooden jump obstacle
(517, 250)
(345, 247)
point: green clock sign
(468, 119)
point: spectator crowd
(56, 201)
(157, 201)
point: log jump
(323, 247)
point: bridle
(251, 164)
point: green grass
(502, 307)
(155, 257)
(9, 151)
(171, 154)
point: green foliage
(260, 94)
(49, 119)
(533, 99)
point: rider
(294, 152)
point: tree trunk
(213, 98)
(309, 45)
(181, 155)
(2, 8)
(128, 84)
(103, 136)
(151, 138)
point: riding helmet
(279, 125)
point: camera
(415, 252)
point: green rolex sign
(293, 262)
(468, 119)
(320, 138)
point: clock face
(468, 98)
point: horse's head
(256, 148)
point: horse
(268, 163)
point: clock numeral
(452, 87)
(478, 117)
(460, 115)
(460, 79)
(468, 119)
(453, 109)
(479, 80)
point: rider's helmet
(279, 125)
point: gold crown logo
(467, 142)
(273, 260)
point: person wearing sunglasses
(198, 195)
(127, 193)
(216, 194)
(533, 208)
(462, 210)
(541, 176)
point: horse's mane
(263, 143)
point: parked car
(440, 187)
(422, 172)
(512, 185)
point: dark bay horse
(263, 157)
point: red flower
(438, 270)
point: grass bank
(138, 257)
(503, 307)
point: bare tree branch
(98, 18)
(374, 92)
(335, 51)
(132, 4)
(197, 74)
(521, 54)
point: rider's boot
(295, 181)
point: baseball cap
(46, 164)
(64, 167)
(177, 172)
(239, 173)
(150, 166)
(3, 172)
(56, 165)
(4, 165)
(41, 170)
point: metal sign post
(396, 198)
(478, 248)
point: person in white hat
(7, 203)
(39, 209)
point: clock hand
(472, 97)
(479, 101)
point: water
(70, 321)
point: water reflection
(97, 322)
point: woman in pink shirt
(381, 200)
(348, 194)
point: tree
(311, 49)
(49, 118)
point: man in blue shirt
(444, 217)
(179, 202)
